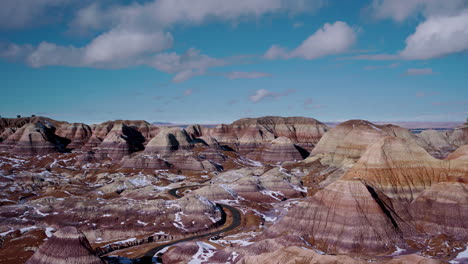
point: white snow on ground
(462, 257)
(233, 242)
(139, 181)
(289, 204)
(160, 233)
(274, 194)
(162, 188)
(49, 231)
(205, 251)
(121, 242)
(205, 201)
(213, 219)
(162, 251)
(397, 252)
(240, 239)
(376, 128)
(233, 257)
(7, 232)
(40, 213)
(229, 202)
(299, 188)
(173, 177)
(264, 216)
(178, 221)
(141, 223)
(230, 191)
(283, 170)
(27, 229)
(244, 160)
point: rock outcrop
(347, 142)
(172, 148)
(245, 135)
(459, 136)
(278, 150)
(67, 246)
(78, 133)
(122, 140)
(35, 139)
(374, 206)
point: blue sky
(212, 61)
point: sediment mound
(67, 246)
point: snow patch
(27, 229)
(205, 251)
(121, 242)
(462, 257)
(49, 231)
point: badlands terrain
(259, 190)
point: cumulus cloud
(435, 37)
(438, 36)
(164, 13)
(246, 75)
(262, 94)
(122, 51)
(110, 50)
(400, 10)
(185, 66)
(424, 71)
(134, 32)
(118, 45)
(444, 30)
(330, 39)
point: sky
(215, 61)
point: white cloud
(16, 14)
(50, 54)
(185, 66)
(330, 39)
(262, 94)
(424, 71)
(163, 13)
(118, 45)
(444, 30)
(438, 36)
(276, 52)
(114, 49)
(400, 10)
(246, 75)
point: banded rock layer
(278, 150)
(382, 200)
(348, 141)
(245, 135)
(66, 246)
